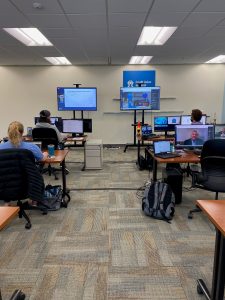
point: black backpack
(158, 201)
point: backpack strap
(156, 195)
(164, 188)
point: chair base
(190, 214)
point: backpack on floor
(158, 201)
(52, 197)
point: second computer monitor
(190, 136)
(166, 123)
(73, 126)
(186, 120)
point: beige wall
(27, 90)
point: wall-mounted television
(140, 98)
(71, 98)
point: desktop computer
(174, 177)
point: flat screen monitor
(71, 98)
(57, 121)
(191, 136)
(166, 123)
(140, 98)
(220, 131)
(87, 124)
(186, 119)
(72, 126)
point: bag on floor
(52, 197)
(158, 201)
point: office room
(100, 244)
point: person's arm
(59, 134)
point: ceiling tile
(84, 7)
(127, 6)
(48, 6)
(165, 19)
(50, 21)
(129, 20)
(94, 21)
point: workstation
(101, 245)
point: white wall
(27, 90)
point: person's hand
(45, 155)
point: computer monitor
(193, 136)
(57, 121)
(166, 123)
(87, 125)
(71, 98)
(72, 126)
(186, 119)
(220, 131)
(140, 98)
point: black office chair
(47, 136)
(20, 179)
(212, 175)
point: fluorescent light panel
(140, 60)
(29, 36)
(217, 60)
(152, 35)
(58, 60)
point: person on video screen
(194, 140)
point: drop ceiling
(105, 32)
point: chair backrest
(19, 176)
(46, 136)
(213, 148)
(213, 173)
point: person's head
(45, 116)
(196, 115)
(15, 133)
(194, 135)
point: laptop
(162, 150)
(146, 131)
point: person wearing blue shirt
(15, 135)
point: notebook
(162, 150)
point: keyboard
(145, 137)
(167, 155)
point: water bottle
(172, 148)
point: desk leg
(154, 169)
(65, 194)
(218, 279)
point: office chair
(212, 175)
(47, 136)
(20, 179)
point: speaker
(174, 178)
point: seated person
(196, 116)
(194, 140)
(15, 134)
(45, 122)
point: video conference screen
(220, 131)
(70, 98)
(140, 98)
(189, 136)
(186, 119)
(166, 123)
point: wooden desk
(59, 157)
(152, 139)
(75, 141)
(186, 157)
(7, 213)
(215, 210)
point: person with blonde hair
(15, 135)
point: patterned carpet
(102, 246)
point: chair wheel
(64, 204)
(199, 290)
(44, 212)
(28, 226)
(190, 216)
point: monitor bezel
(78, 108)
(72, 132)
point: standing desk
(215, 211)
(59, 157)
(186, 157)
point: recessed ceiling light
(217, 60)
(58, 60)
(152, 35)
(29, 36)
(140, 60)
